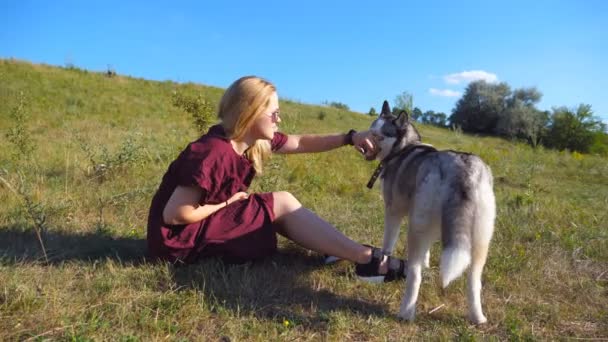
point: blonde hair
(245, 100)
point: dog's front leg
(392, 221)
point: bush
(201, 109)
(575, 130)
(600, 144)
(523, 122)
(103, 164)
(19, 134)
(338, 105)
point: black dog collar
(405, 152)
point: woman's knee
(284, 203)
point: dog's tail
(456, 237)
(454, 260)
(467, 229)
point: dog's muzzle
(371, 154)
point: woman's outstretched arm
(308, 143)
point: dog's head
(391, 133)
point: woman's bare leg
(310, 231)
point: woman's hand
(183, 207)
(364, 142)
(239, 196)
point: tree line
(496, 109)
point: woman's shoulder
(214, 138)
(211, 144)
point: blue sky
(355, 52)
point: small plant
(110, 72)
(22, 150)
(73, 105)
(102, 163)
(530, 194)
(321, 115)
(34, 209)
(19, 135)
(201, 109)
(457, 129)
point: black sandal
(395, 274)
(369, 272)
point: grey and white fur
(447, 195)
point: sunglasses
(274, 115)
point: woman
(202, 209)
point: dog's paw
(477, 319)
(407, 315)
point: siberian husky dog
(447, 195)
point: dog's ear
(386, 109)
(402, 119)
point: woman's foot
(381, 268)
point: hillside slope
(102, 144)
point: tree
(416, 114)
(479, 108)
(403, 101)
(573, 129)
(520, 118)
(372, 112)
(433, 118)
(495, 109)
(528, 96)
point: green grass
(546, 276)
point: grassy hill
(100, 146)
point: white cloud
(444, 92)
(469, 76)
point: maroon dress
(239, 232)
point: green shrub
(19, 135)
(339, 105)
(201, 109)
